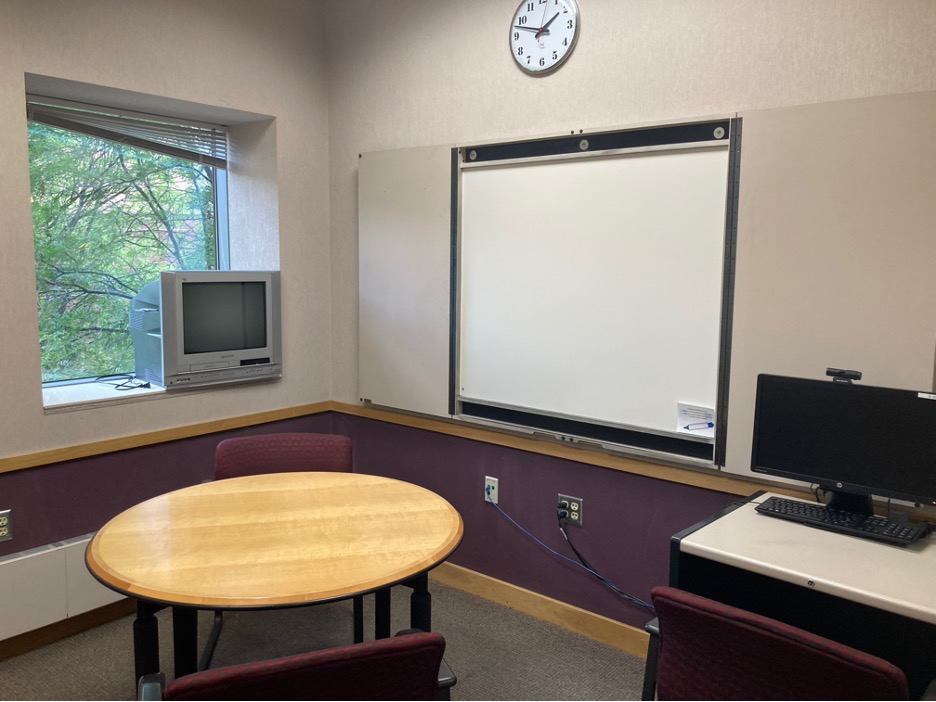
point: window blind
(194, 141)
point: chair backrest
(711, 651)
(404, 667)
(282, 453)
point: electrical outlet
(490, 489)
(6, 528)
(573, 507)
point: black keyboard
(865, 526)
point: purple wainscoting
(61, 500)
(628, 519)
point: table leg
(358, 618)
(420, 603)
(382, 613)
(146, 639)
(185, 640)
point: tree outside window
(107, 218)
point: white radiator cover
(47, 584)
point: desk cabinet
(875, 597)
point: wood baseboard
(581, 621)
(570, 617)
(38, 638)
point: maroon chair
(403, 667)
(281, 453)
(705, 650)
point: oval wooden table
(270, 541)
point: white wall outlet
(490, 489)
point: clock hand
(545, 28)
(527, 29)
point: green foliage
(107, 218)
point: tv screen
(223, 316)
(845, 437)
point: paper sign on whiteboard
(695, 420)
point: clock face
(543, 34)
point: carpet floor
(496, 653)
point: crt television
(852, 440)
(197, 328)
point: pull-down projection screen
(591, 287)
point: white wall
(265, 58)
(398, 74)
(424, 72)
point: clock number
(555, 55)
(530, 7)
(519, 51)
(516, 36)
(565, 42)
(542, 61)
(569, 24)
(522, 20)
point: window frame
(197, 141)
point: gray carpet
(496, 652)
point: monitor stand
(851, 502)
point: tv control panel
(218, 376)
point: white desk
(874, 596)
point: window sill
(65, 398)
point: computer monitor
(850, 439)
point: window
(117, 197)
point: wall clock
(543, 34)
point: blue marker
(699, 425)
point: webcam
(843, 376)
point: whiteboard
(592, 287)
